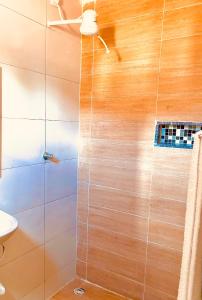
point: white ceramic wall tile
(21, 188)
(62, 139)
(29, 235)
(34, 9)
(60, 215)
(23, 142)
(59, 280)
(23, 93)
(22, 41)
(63, 54)
(23, 275)
(60, 252)
(71, 9)
(36, 294)
(62, 99)
(61, 179)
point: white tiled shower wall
(40, 70)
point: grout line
(150, 190)
(90, 134)
(22, 15)
(40, 73)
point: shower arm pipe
(65, 22)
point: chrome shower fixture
(88, 22)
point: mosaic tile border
(176, 134)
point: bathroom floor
(92, 292)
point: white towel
(191, 269)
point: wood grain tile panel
(137, 107)
(173, 4)
(180, 79)
(163, 269)
(82, 203)
(145, 28)
(168, 211)
(170, 185)
(133, 177)
(141, 55)
(110, 11)
(118, 200)
(151, 294)
(124, 130)
(86, 64)
(165, 234)
(117, 283)
(120, 150)
(140, 82)
(129, 225)
(81, 269)
(175, 160)
(111, 262)
(83, 171)
(182, 22)
(117, 243)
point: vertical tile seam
(79, 138)
(151, 178)
(89, 163)
(45, 116)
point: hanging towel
(191, 269)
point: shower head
(89, 25)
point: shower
(88, 21)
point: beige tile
(59, 280)
(29, 235)
(117, 283)
(61, 180)
(27, 188)
(60, 253)
(60, 215)
(22, 148)
(34, 9)
(31, 270)
(182, 22)
(101, 259)
(62, 139)
(23, 93)
(118, 200)
(167, 235)
(37, 293)
(21, 33)
(63, 55)
(62, 99)
(129, 225)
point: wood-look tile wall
(132, 196)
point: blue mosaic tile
(176, 134)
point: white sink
(8, 225)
